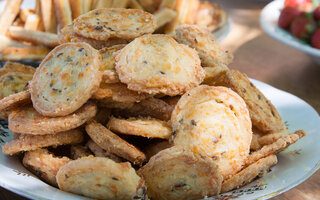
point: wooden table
(267, 60)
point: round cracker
(14, 100)
(44, 164)
(215, 122)
(105, 23)
(101, 178)
(31, 142)
(68, 35)
(158, 64)
(113, 143)
(176, 173)
(146, 127)
(66, 79)
(205, 43)
(28, 121)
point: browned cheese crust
(246, 175)
(105, 23)
(176, 173)
(113, 143)
(205, 43)
(101, 178)
(44, 164)
(28, 121)
(264, 115)
(145, 127)
(31, 142)
(158, 64)
(66, 79)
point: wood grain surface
(267, 60)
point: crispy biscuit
(66, 79)
(158, 64)
(16, 67)
(118, 92)
(113, 143)
(246, 175)
(145, 127)
(14, 100)
(205, 43)
(27, 142)
(264, 115)
(176, 173)
(99, 152)
(108, 63)
(211, 16)
(28, 121)
(13, 82)
(44, 164)
(275, 147)
(105, 23)
(79, 151)
(214, 121)
(101, 178)
(68, 35)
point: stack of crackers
(159, 115)
(29, 34)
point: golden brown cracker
(99, 152)
(66, 79)
(105, 23)
(158, 64)
(28, 121)
(27, 142)
(44, 164)
(145, 127)
(113, 143)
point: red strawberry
(316, 13)
(287, 15)
(303, 27)
(302, 5)
(315, 39)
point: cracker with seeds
(157, 64)
(66, 79)
(105, 23)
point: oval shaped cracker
(101, 178)
(28, 121)
(158, 64)
(68, 35)
(214, 121)
(105, 23)
(205, 43)
(176, 173)
(44, 164)
(66, 79)
(113, 143)
(12, 101)
(31, 142)
(146, 127)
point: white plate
(295, 164)
(269, 22)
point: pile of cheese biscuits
(31, 33)
(161, 117)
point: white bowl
(269, 22)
